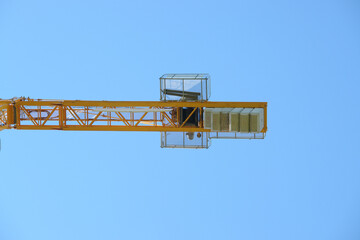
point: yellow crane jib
(184, 116)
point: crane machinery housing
(184, 115)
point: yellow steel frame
(112, 116)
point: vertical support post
(61, 116)
(265, 118)
(39, 115)
(64, 116)
(201, 93)
(17, 115)
(10, 115)
(155, 118)
(161, 90)
(132, 117)
(178, 116)
(206, 88)
(87, 116)
(165, 89)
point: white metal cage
(185, 87)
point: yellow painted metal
(78, 115)
(144, 104)
(10, 115)
(115, 128)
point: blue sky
(301, 182)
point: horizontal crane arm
(108, 115)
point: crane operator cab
(185, 88)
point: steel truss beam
(112, 116)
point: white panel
(225, 119)
(235, 119)
(215, 119)
(245, 120)
(257, 120)
(207, 118)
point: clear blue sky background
(301, 182)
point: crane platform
(184, 116)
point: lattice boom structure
(184, 116)
(25, 113)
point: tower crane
(184, 115)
